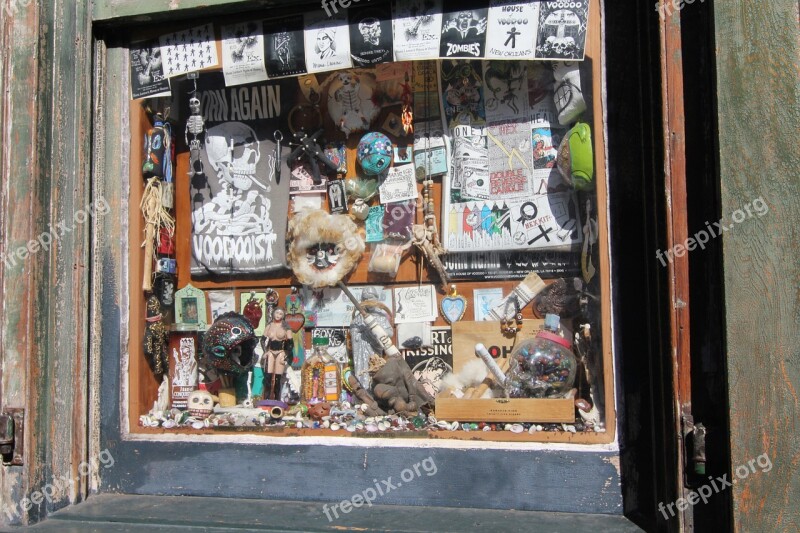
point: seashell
(198, 425)
(432, 419)
(351, 428)
(345, 405)
(568, 427)
(383, 425)
(539, 427)
(507, 427)
(335, 427)
(207, 423)
(299, 425)
(372, 428)
(487, 428)
(169, 424)
(517, 428)
(370, 420)
(443, 425)
(454, 426)
(326, 424)
(360, 425)
(532, 430)
(363, 407)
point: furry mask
(324, 248)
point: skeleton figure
(370, 29)
(194, 125)
(350, 105)
(185, 363)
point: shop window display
(336, 242)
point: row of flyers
(335, 38)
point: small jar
(542, 367)
(321, 376)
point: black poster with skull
(463, 31)
(562, 29)
(371, 39)
(284, 46)
(239, 205)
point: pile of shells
(347, 418)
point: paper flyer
(399, 185)
(147, 71)
(189, 50)
(243, 53)
(334, 308)
(561, 31)
(415, 304)
(463, 32)
(284, 46)
(417, 28)
(327, 41)
(511, 30)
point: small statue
(277, 344)
(156, 339)
(364, 341)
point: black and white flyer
(327, 42)
(371, 40)
(189, 50)
(417, 29)
(243, 53)
(284, 45)
(239, 210)
(561, 32)
(463, 31)
(147, 71)
(511, 29)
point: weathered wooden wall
(759, 112)
(46, 109)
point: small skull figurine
(201, 404)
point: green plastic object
(576, 157)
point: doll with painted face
(278, 345)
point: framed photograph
(190, 309)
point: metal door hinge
(12, 425)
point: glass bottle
(321, 377)
(542, 367)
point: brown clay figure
(396, 389)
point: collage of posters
(363, 36)
(496, 196)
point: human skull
(201, 404)
(370, 29)
(233, 151)
(194, 105)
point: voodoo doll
(156, 338)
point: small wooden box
(505, 410)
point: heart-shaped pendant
(453, 306)
(295, 321)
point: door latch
(694, 438)
(12, 436)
